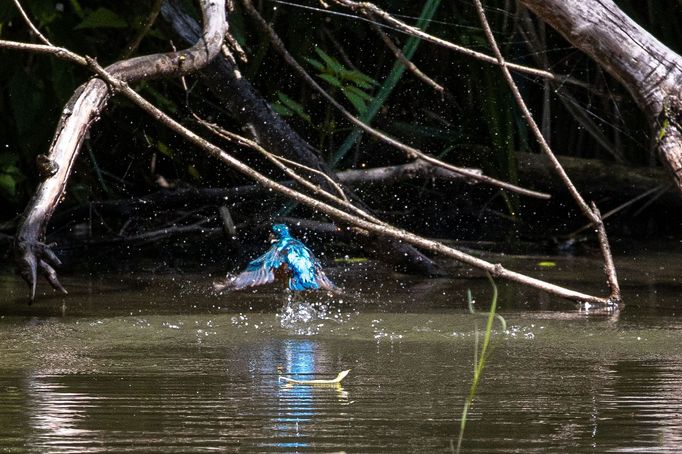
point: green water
(158, 364)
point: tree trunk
(649, 70)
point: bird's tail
(326, 284)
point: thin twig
(215, 129)
(406, 62)
(59, 52)
(151, 18)
(411, 152)
(369, 9)
(387, 230)
(622, 206)
(591, 213)
(33, 28)
(275, 159)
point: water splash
(303, 315)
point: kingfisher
(288, 258)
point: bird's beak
(272, 238)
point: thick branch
(82, 110)
(649, 70)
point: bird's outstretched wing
(306, 271)
(259, 271)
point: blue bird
(287, 257)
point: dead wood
(82, 110)
(649, 70)
(394, 233)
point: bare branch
(411, 152)
(591, 213)
(33, 28)
(371, 10)
(276, 160)
(407, 63)
(83, 109)
(59, 52)
(495, 269)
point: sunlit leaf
(547, 264)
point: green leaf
(331, 62)
(356, 100)
(281, 110)
(547, 264)
(315, 64)
(330, 79)
(8, 184)
(163, 148)
(293, 106)
(77, 8)
(193, 172)
(358, 92)
(358, 78)
(102, 18)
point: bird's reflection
(301, 407)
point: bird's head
(279, 232)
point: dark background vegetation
(476, 124)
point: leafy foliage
(351, 82)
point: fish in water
(287, 257)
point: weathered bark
(649, 70)
(82, 110)
(226, 82)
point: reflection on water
(55, 414)
(300, 408)
(160, 365)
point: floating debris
(333, 381)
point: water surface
(156, 363)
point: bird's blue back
(306, 272)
